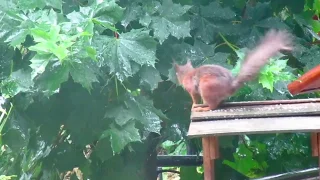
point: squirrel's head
(182, 70)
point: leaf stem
(116, 82)
(221, 44)
(117, 88)
(5, 119)
(233, 47)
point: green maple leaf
(13, 27)
(149, 77)
(146, 113)
(276, 66)
(310, 58)
(19, 81)
(55, 3)
(172, 75)
(131, 13)
(170, 20)
(45, 18)
(207, 55)
(55, 74)
(52, 42)
(103, 149)
(140, 109)
(259, 12)
(120, 137)
(18, 37)
(211, 19)
(274, 71)
(136, 46)
(17, 134)
(108, 12)
(267, 80)
(6, 60)
(84, 72)
(316, 5)
(52, 73)
(190, 173)
(39, 63)
(240, 54)
(26, 5)
(104, 13)
(272, 22)
(39, 149)
(16, 26)
(121, 115)
(205, 29)
(246, 162)
(216, 11)
(79, 21)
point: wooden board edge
(257, 126)
(246, 116)
(191, 136)
(267, 102)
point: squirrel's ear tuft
(175, 65)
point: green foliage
(189, 173)
(123, 55)
(249, 159)
(88, 86)
(178, 148)
(275, 71)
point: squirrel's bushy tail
(270, 45)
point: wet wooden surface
(260, 111)
(307, 83)
(254, 126)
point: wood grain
(308, 82)
(318, 134)
(208, 163)
(214, 147)
(257, 111)
(314, 144)
(268, 102)
(254, 126)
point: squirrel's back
(215, 71)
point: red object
(315, 17)
(116, 35)
(307, 83)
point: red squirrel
(215, 83)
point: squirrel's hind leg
(212, 92)
(195, 99)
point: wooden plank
(257, 111)
(254, 126)
(208, 165)
(318, 134)
(314, 144)
(214, 147)
(308, 82)
(268, 102)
